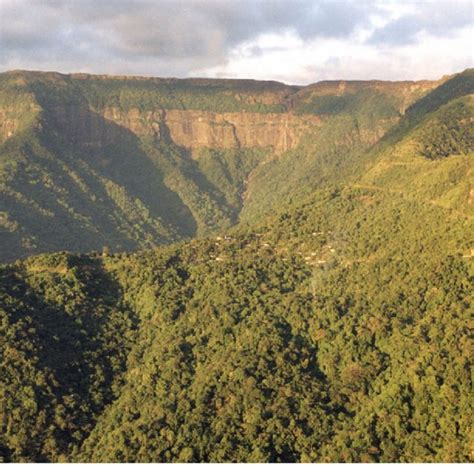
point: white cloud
(288, 59)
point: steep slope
(335, 331)
(355, 116)
(429, 155)
(127, 163)
(73, 178)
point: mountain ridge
(212, 154)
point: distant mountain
(128, 163)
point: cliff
(15, 116)
(134, 162)
(198, 113)
(195, 129)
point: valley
(235, 271)
(129, 163)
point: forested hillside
(336, 331)
(319, 309)
(126, 163)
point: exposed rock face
(8, 124)
(86, 127)
(191, 129)
(142, 123)
(196, 129)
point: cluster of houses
(313, 258)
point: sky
(293, 41)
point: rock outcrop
(194, 129)
(191, 129)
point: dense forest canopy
(311, 304)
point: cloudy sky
(295, 41)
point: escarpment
(190, 129)
(128, 162)
(204, 113)
(279, 131)
(195, 129)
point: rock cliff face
(191, 129)
(196, 129)
(8, 124)
(13, 117)
(81, 125)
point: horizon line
(229, 79)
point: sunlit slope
(430, 155)
(356, 115)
